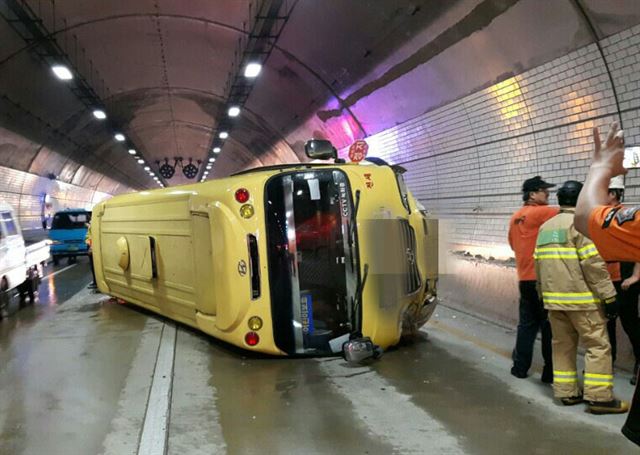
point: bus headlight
(255, 323)
(246, 211)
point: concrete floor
(80, 374)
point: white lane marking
(389, 415)
(124, 433)
(195, 421)
(58, 271)
(153, 440)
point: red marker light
(251, 338)
(242, 195)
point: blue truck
(68, 234)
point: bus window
(9, 224)
(312, 259)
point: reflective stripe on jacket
(571, 274)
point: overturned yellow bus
(286, 260)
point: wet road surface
(82, 374)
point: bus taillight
(251, 338)
(242, 195)
(255, 323)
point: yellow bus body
(180, 252)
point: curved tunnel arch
(314, 73)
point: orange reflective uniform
(616, 232)
(523, 232)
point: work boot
(571, 401)
(517, 373)
(547, 375)
(614, 406)
(634, 377)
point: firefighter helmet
(568, 193)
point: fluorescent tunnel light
(62, 72)
(252, 70)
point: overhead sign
(358, 151)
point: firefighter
(574, 282)
(523, 230)
(615, 231)
(625, 277)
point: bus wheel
(56, 260)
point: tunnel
(107, 101)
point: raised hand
(611, 155)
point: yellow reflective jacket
(571, 274)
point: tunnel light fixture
(147, 168)
(223, 135)
(209, 167)
(119, 137)
(140, 161)
(212, 159)
(62, 72)
(252, 70)
(233, 111)
(216, 150)
(206, 173)
(151, 174)
(132, 152)
(99, 114)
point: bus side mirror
(320, 149)
(360, 349)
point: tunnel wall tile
(25, 192)
(466, 160)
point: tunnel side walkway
(82, 374)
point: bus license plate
(306, 313)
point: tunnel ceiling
(340, 69)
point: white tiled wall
(466, 160)
(24, 191)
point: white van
(19, 264)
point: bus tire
(55, 260)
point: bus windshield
(313, 268)
(71, 220)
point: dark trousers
(533, 317)
(93, 272)
(627, 303)
(631, 428)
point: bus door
(313, 263)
